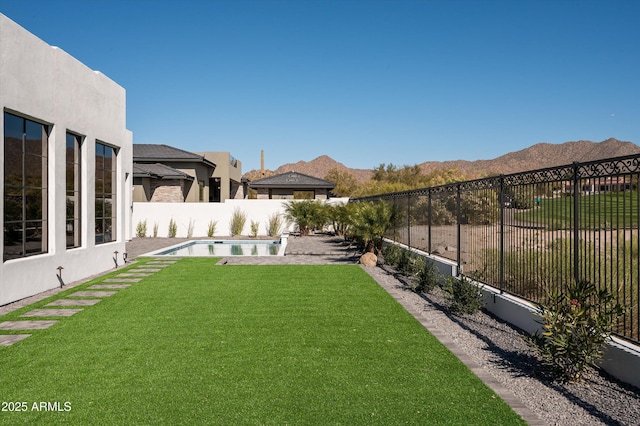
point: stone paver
(10, 339)
(146, 269)
(74, 302)
(109, 286)
(93, 293)
(122, 280)
(134, 274)
(51, 313)
(27, 325)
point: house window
(201, 190)
(73, 199)
(25, 187)
(105, 193)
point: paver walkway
(60, 307)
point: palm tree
(341, 217)
(307, 214)
(371, 222)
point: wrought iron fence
(530, 232)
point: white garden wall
(198, 215)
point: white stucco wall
(45, 84)
(200, 214)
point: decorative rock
(368, 259)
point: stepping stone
(139, 274)
(93, 293)
(51, 313)
(158, 263)
(26, 325)
(109, 286)
(147, 270)
(10, 339)
(123, 280)
(74, 302)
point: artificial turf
(198, 343)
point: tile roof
(160, 152)
(158, 171)
(291, 180)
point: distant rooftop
(147, 153)
(291, 180)
(158, 171)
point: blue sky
(365, 82)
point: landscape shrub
(141, 229)
(390, 253)
(274, 225)
(237, 222)
(211, 228)
(576, 325)
(409, 263)
(371, 221)
(155, 230)
(465, 296)
(255, 226)
(192, 224)
(341, 217)
(173, 228)
(306, 214)
(428, 277)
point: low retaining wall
(621, 359)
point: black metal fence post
(429, 212)
(409, 219)
(501, 198)
(459, 228)
(576, 223)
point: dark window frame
(73, 190)
(105, 193)
(26, 191)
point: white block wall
(200, 214)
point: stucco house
(170, 175)
(292, 185)
(226, 182)
(66, 167)
(166, 174)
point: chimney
(262, 162)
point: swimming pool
(222, 248)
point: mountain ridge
(537, 156)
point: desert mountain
(318, 167)
(537, 156)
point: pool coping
(281, 252)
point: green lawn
(606, 210)
(203, 344)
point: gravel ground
(502, 351)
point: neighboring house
(292, 185)
(605, 184)
(171, 175)
(66, 174)
(226, 182)
(159, 183)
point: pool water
(225, 248)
